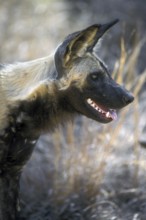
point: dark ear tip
(105, 27)
(115, 21)
(111, 23)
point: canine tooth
(108, 115)
(89, 101)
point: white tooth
(108, 115)
(99, 110)
(89, 101)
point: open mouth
(103, 111)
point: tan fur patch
(18, 81)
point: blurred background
(84, 170)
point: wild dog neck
(42, 111)
(18, 80)
(33, 97)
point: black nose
(128, 99)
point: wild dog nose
(128, 99)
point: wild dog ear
(77, 44)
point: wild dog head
(89, 87)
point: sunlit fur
(19, 80)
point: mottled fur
(17, 81)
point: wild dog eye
(95, 76)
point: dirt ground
(84, 170)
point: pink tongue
(113, 114)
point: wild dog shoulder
(20, 82)
(29, 108)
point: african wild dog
(38, 95)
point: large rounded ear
(78, 44)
